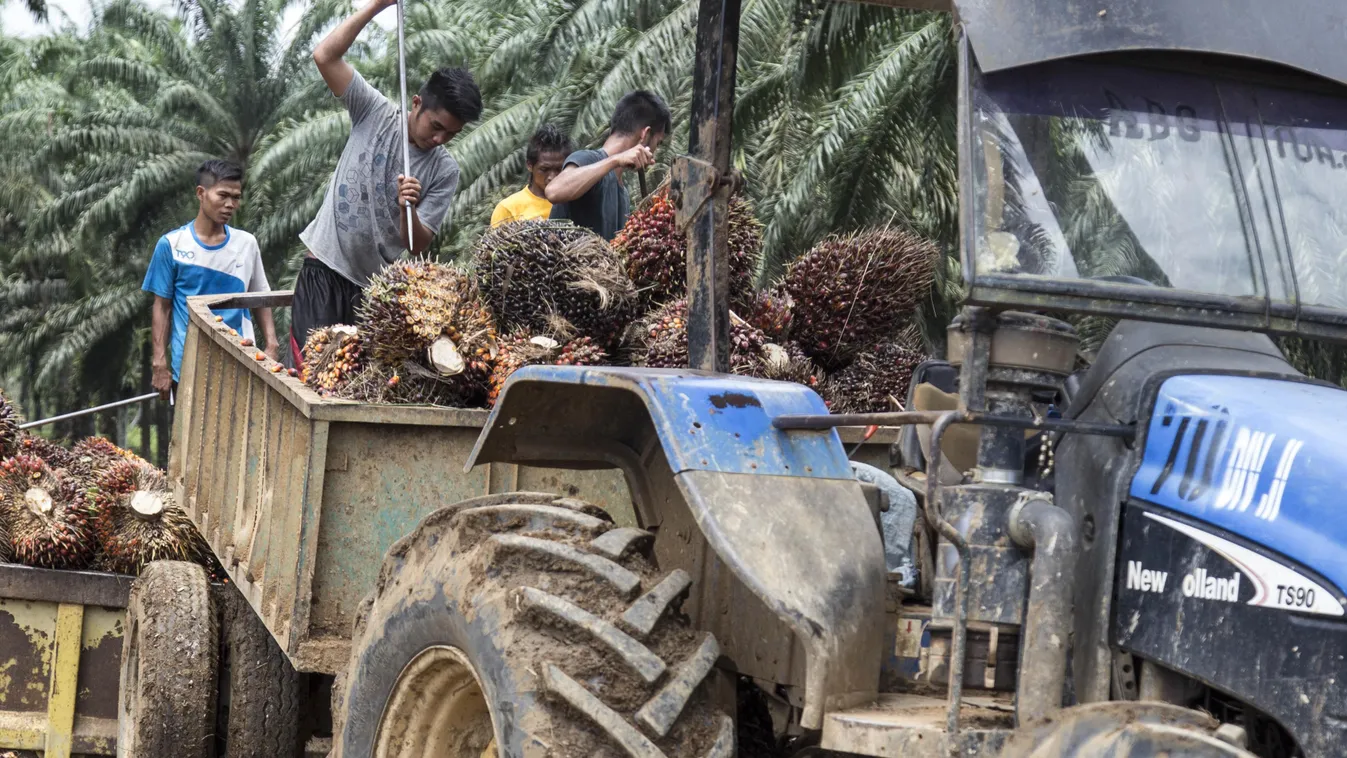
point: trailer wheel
(528, 625)
(1124, 730)
(259, 689)
(169, 657)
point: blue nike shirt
(183, 266)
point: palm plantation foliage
(845, 119)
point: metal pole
(708, 255)
(406, 139)
(87, 411)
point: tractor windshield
(1187, 181)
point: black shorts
(322, 298)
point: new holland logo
(1272, 584)
(1204, 586)
(1144, 579)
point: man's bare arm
(161, 320)
(330, 53)
(575, 181)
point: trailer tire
(259, 689)
(560, 620)
(1121, 729)
(166, 704)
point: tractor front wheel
(527, 625)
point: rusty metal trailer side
(300, 495)
(60, 660)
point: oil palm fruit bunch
(10, 419)
(521, 349)
(421, 314)
(771, 312)
(6, 544)
(331, 355)
(93, 456)
(533, 272)
(877, 377)
(662, 341)
(137, 520)
(787, 362)
(850, 291)
(657, 253)
(52, 453)
(48, 518)
(411, 384)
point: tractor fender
(780, 509)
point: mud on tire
(574, 637)
(166, 704)
(259, 691)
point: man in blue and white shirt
(204, 257)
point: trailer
(61, 633)
(300, 496)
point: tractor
(1114, 496)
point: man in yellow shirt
(546, 154)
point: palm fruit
(418, 314)
(52, 453)
(788, 363)
(663, 341)
(411, 384)
(771, 312)
(523, 349)
(10, 419)
(878, 377)
(93, 456)
(48, 520)
(331, 355)
(137, 520)
(532, 272)
(657, 253)
(850, 291)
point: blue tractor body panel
(1262, 459)
(709, 422)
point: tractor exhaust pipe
(1037, 524)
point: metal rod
(406, 139)
(906, 418)
(87, 411)
(936, 519)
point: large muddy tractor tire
(527, 625)
(1124, 730)
(166, 705)
(259, 689)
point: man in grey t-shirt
(361, 225)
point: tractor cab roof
(1308, 35)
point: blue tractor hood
(1262, 459)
